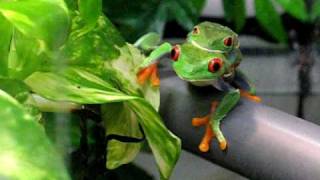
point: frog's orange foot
(247, 95)
(204, 145)
(150, 72)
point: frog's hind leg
(212, 121)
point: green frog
(209, 56)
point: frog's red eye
(175, 53)
(215, 65)
(227, 41)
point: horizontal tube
(263, 143)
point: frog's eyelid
(206, 49)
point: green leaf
(315, 11)
(77, 85)
(296, 8)
(15, 88)
(26, 56)
(235, 11)
(186, 13)
(148, 42)
(6, 30)
(90, 10)
(270, 20)
(142, 16)
(165, 146)
(25, 149)
(119, 119)
(32, 18)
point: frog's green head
(194, 65)
(214, 37)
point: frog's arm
(241, 79)
(148, 68)
(156, 54)
(223, 108)
(148, 42)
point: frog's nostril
(215, 65)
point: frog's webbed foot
(210, 133)
(150, 72)
(246, 94)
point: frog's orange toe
(204, 146)
(155, 80)
(200, 121)
(143, 75)
(247, 95)
(223, 145)
(150, 72)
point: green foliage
(296, 8)
(27, 16)
(121, 120)
(136, 18)
(65, 67)
(25, 150)
(235, 11)
(270, 20)
(90, 10)
(315, 11)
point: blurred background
(279, 40)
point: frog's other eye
(227, 41)
(215, 65)
(175, 53)
(196, 30)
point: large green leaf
(270, 20)
(112, 60)
(78, 86)
(296, 8)
(45, 20)
(25, 149)
(235, 11)
(120, 120)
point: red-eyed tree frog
(210, 56)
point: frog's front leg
(148, 69)
(212, 121)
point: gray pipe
(264, 143)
